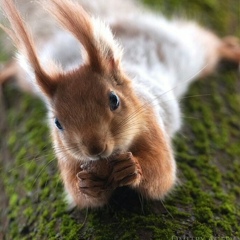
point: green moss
(202, 231)
(204, 204)
(13, 200)
(204, 214)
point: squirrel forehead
(81, 95)
(80, 106)
(75, 94)
(85, 91)
(85, 80)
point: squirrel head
(93, 110)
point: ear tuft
(102, 50)
(108, 48)
(24, 42)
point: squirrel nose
(96, 149)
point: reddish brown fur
(150, 150)
(69, 171)
(154, 155)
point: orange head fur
(93, 106)
(86, 108)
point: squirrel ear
(108, 49)
(24, 42)
(46, 83)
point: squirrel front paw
(126, 171)
(121, 170)
(90, 184)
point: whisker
(32, 160)
(194, 118)
(186, 97)
(40, 172)
(136, 113)
(185, 81)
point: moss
(202, 231)
(204, 214)
(13, 200)
(204, 204)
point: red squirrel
(111, 120)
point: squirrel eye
(114, 101)
(58, 124)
